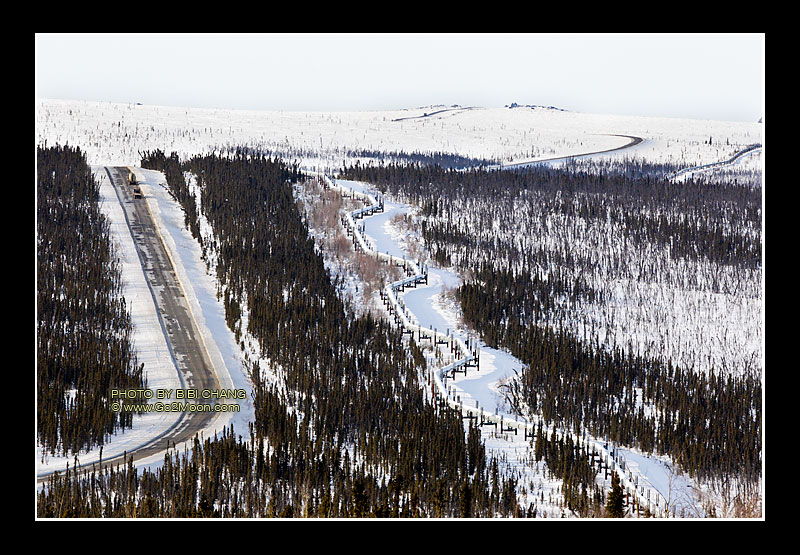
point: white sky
(703, 76)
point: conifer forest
(83, 327)
(541, 248)
(339, 371)
(630, 301)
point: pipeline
(607, 454)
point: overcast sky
(713, 76)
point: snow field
(325, 141)
(487, 387)
(114, 134)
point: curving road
(752, 149)
(195, 369)
(632, 142)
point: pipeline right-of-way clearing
(601, 452)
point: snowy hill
(116, 133)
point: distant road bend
(188, 351)
(429, 114)
(752, 149)
(632, 142)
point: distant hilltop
(535, 106)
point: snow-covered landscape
(113, 134)
(678, 316)
(432, 306)
(150, 340)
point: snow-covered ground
(433, 308)
(150, 343)
(148, 336)
(115, 134)
(200, 287)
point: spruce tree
(615, 497)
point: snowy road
(632, 142)
(181, 360)
(689, 172)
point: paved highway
(180, 329)
(632, 142)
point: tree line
(83, 330)
(342, 425)
(709, 424)
(719, 222)
(539, 246)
